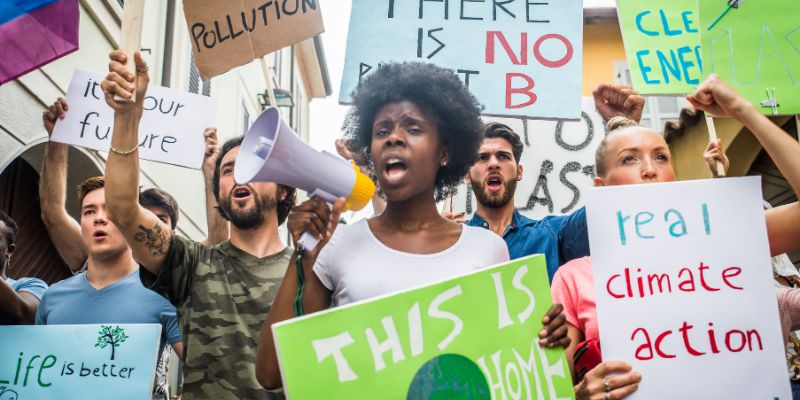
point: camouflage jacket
(222, 295)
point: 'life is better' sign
(519, 58)
(470, 337)
(56, 362)
(684, 288)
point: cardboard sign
(684, 288)
(227, 34)
(557, 162)
(171, 130)
(517, 58)
(56, 362)
(756, 49)
(474, 337)
(662, 44)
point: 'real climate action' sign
(78, 361)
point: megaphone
(272, 152)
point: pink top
(573, 287)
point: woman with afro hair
(418, 129)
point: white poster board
(557, 162)
(519, 58)
(684, 288)
(171, 130)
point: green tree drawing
(110, 337)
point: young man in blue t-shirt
(18, 298)
(110, 290)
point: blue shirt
(560, 238)
(33, 286)
(127, 301)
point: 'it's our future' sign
(171, 129)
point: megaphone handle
(308, 241)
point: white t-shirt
(355, 265)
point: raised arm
(716, 97)
(218, 230)
(148, 237)
(313, 216)
(64, 231)
(618, 100)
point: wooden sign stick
(712, 136)
(270, 86)
(448, 203)
(797, 124)
(131, 40)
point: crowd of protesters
(417, 130)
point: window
(195, 84)
(246, 120)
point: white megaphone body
(272, 152)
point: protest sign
(474, 336)
(557, 164)
(55, 362)
(227, 34)
(684, 288)
(662, 44)
(171, 130)
(517, 58)
(755, 48)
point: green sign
(662, 44)
(755, 48)
(471, 337)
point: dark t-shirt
(223, 296)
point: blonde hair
(615, 124)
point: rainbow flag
(34, 33)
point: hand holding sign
(56, 111)
(609, 380)
(554, 331)
(120, 81)
(715, 154)
(212, 152)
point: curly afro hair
(440, 94)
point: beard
(248, 218)
(494, 200)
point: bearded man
(224, 292)
(494, 180)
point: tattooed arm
(148, 237)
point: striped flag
(34, 33)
